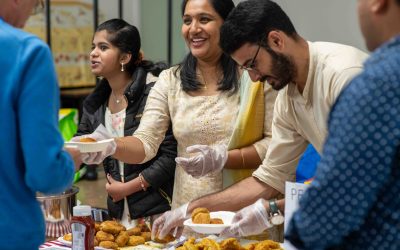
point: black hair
(251, 21)
(188, 66)
(126, 38)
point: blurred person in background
(32, 158)
(135, 191)
(261, 38)
(353, 202)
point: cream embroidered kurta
(300, 119)
(195, 120)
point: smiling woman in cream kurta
(207, 120)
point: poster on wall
(71, 39)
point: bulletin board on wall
(71, 29)
(68, 27)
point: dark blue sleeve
(356, 162)
(49, 169)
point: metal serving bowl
(57, 211)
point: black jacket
(158, 172)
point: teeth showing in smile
(198, 40)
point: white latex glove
(170, 220)
(99, 134)
(208, 159)
(250, 220)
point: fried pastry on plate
(108, 244)
(216, 221)
(135, 240)
(103, 236)
(68, 237)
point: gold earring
(122, 67)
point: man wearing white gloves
(310, 76)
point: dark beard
(283, 69)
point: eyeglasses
(251, 66)
(39, 7)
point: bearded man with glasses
(32, 158)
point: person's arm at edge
(236, 196)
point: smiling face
(200, 29)
(266, 65)
(104, 58)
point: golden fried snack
(146, 236)
(134, 231)
(201, 218)
(122, 239)
(267, 245)
(108, 244)
(68, 237)
(250, 246)
(230, 244)
(135, 240)
(95, 242)
(103, 236)
(143, 227)
(167, 238)
(97, 226)
(216, 221)
(199, 210)
(87, 139)
(112, 227)
(209, 244)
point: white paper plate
(90, 147)
(212, 228)
(69, 243)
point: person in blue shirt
(32, 158)
(353, 202)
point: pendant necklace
(117, 101)
(204, 79)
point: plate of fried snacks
(228, 244)
(206, 222)
(89, 145)
(112, 235)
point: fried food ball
(230, 244)
(201, 218)
(135, 240)
(103, 236)
(267, 245)
(167, 238)
(97, 226)
(68, 237)
(250, 246)
(199, 210)
(216, 221)
(146, 236)
(108, 244)
(134, 231)
(122, 239)
(87, 139)
(112, 227)
(189, 245)
(95, 242)
(143, 228)
(209, 244)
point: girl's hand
(115, 189)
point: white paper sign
(293, 192)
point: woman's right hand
(115, 189)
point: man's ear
(378, 6)
(275, 40)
